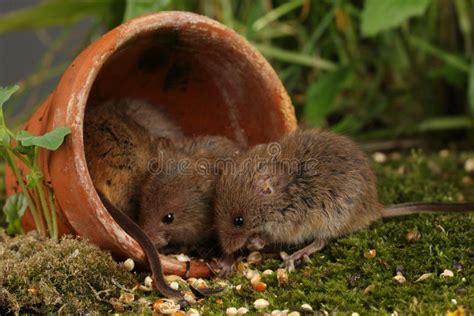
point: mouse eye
(238, 221)
(168, 218)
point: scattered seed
(33, 291)
(444, 153)
(402, 170)
(242, 267)
(400, 278)
(250, 274)
(424, 277)
(148, 282)
(294, 314)
(126, 298)
(238, 287)
(441, 228)
(267, 272)
(166, 307)
(219, 301)
(355, 314)
(144, 288)
(371, 253)
(255, 279)
(447, 274)
(469, 165)
(259, 286)
(254, 257)
(242, 311)
(282, 277)
(231, 311)
(189, 298)
(174, 285)
(143, 301)
(458, 312)
(307, 307)
(412, 236)
(182, 258)
(199, 283)
(192, 312)
(454, 301)
(129, 264)
(261, 303)
(379, 157)
(369, 288)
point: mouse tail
(150, 251)
(421, 207)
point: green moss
(42, 276)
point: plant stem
(34, 213)
(40, 192)
(44, 205)
(55, 234)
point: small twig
(120, 286)
(97, 293)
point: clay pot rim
(101, 50)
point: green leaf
(136, 8)
(6, 93)
(381, 15)
(54, 12)
(471, 88)
(446, 122)
(321, 95)
(14, 209)
(51, 140)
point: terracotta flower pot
(208, 78)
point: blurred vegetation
(371, 69)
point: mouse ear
(264, 185)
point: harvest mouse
(176, 200)
(117, 151)
(311, 186)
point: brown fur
(319, 186)
(185, 188)
(117, 151)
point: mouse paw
(223, 267)
(302, 254)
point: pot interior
(202, 77)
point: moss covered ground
(347, 276)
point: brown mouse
(176, 200)
(311, 186)
(117, 151)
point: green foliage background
(370, 69)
